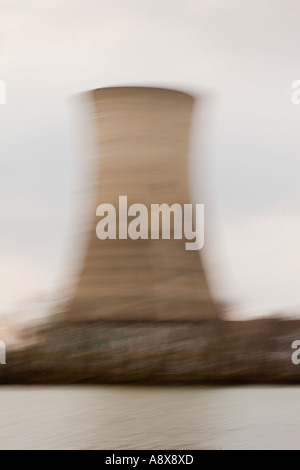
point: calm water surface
(105, 417)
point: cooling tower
(141, 152)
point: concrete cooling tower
(141, 152)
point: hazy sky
(244, 54)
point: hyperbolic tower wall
(141, 152)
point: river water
(114, 417)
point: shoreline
(208, 352)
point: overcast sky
(245, 55)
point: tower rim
(146, 88)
